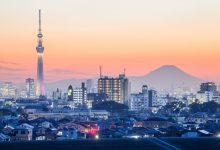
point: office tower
(30, 88)
(80, 96)
(208, 86)
(40, 90)
(70, 93)
(115, 88)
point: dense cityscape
(110, 112)
(105, 107)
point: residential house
(4, 137)
(155, 122)
(67, 134)
(23, 132)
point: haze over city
(80, 35)
(110, 74)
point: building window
(22, 132)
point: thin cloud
(66, 72)
(8, 63)
(11, 69)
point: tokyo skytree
(40, 89)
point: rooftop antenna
(124, 71)
(100, 71)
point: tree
(22, 113)
(5, 112)
(208, 107)
(14, 114)
(46, 109)
(20, 110)
(173, 107)
(195, 107)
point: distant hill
(165, 77)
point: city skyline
(110, 74)
(119, 34)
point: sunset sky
(81, 35)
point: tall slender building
(30, 88)
(40, 90)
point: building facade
(153, 99)
(208, 86)
(140, 101)
(30, 88)
(89, 85)
(80, 96)
(7, 89)
(57, 95)
(208, 92)
(116, 89)
(144, 100)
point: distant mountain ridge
(164, 77)
(63, 84)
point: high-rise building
(139, 102)
(153, 101)
(144, 100)
(80, 96)
(40, 90)
(57, 95)
(208, 87)
(57, 98)
(89, 86)
(208, 92)
(115, 88)
(7, 89)
(30, 88)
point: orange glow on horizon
(140, 40)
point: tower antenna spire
(39, 19)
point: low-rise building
(62, 113)
(4, 138)
(154, 122)
(23, 132)
(67, 134)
